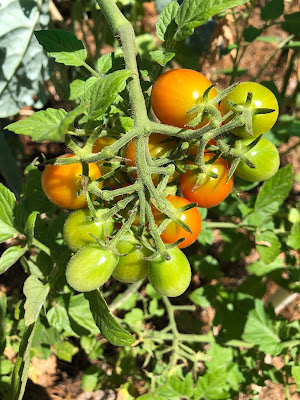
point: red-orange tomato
(62, 182)
(157, 148)
(175, 92)
(211, 191)
(193, 149)
(173, 231)
(102, 142)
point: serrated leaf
(7, 205)
(166, 26)
(105, 62)
(35, 293)
(260, 331)
(181, 387)
(134, 317)
(21, 368)
(213, 385)
(160, 57)
(108, 326)
(259, 268)
(293, 239)
(198, 297)
(76, 89)
(267, 246)
(24, 65)
(273, 193)
(273, 9)
(104, 92)
(57, 317)
(63, 46)
(10, 257)
(65, 351)
(194, 13)
(29, 227)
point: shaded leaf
(35, 293)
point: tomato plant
(262, 98)
(210, 191)
(132, 267)
(173, 231)
(170, 277)
(62, 182)
(262, 151)
(90, 268)
(175, 92)
(79, 227)
(194, 147)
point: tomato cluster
(201, 175)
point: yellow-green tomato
(264, 155)
(132, 267)
(79, 225)
(262, 98)
(90, 268)
(170, 278)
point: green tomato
(262, 98)
(132, 267)
(170, 278)
(79, 225)
(90, 268)
(264, 156)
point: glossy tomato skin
(262, 98)
(102, 142)
(90, 268)
(212, 191)
(173, 231)
(264, 156)
(170, 278)
(79, 226)
(132, 267)
(158, 148)
(62, 182)
(175, 92)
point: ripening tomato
(264, 156)
(90, 268)
(211, 191)
(262, 98)
(62, 182)
(170, 278)
(175, 92)
(79, 226)
(173, 231)
(158, 148)
(102, 142)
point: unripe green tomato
(132, 267)
(78, 227)
(170, 278)
(264, 156)
(90, 268)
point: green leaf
(273, 9)
(76, 89)
(104, 92)
(181, 387)
(63, 46)
(198, 297)
(251, 33)
(29, 227)
(35, 293)
(108, 326)
(65, 351)
(21, 368)
(206, 236)
(81, 318)
(160, 57)
(273, 193)
(7, 205)
(10, 257)
(105, 62)
(293, 239)
(134, 317)
(267, 246)
(90, 378)
(166, 26)
(194, 13)
(213, 385)
(259, 268)
(296, 374)
(260, 331)
(291, 23)
(57, 317)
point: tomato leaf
(293, 239)
(63, 46)
(194, 13)
(10, 257)
(160, 57)
(273, 9)
(166, 26)
(108, 326)
(259, 268)
(267, 246)
(35, 293)
(7, 205)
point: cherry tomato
(132, 267)
(79, 226)
(62, 182)
(212, 190)
(264, 156)
(170, 278)
(102, 142)
(173, 231)
(175, 92)
(90, 268)
(262, 98)
(157, 148)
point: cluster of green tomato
(174, 93)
